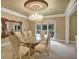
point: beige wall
(26, 24)
(73, 26)
(60, 27)
(29, 25)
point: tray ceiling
(54, 7)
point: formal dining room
(38, 29)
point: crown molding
(52, 16)
(12, 12)
(23, 16)
(71, 8)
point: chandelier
(35, 5)
(36, 17)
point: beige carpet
(57, 51)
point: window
(38, 27)
(44, 27)
(38, 31)
(48, 28)
(51, 26)
(19, 27)
(51, 29)
(15, 28)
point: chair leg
(47, 53)
(13, 56)
(29, 55)
(20, 56)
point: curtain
(9, 26)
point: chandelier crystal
(36, 17)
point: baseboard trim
(64, 41)
(60, 40)
(72, 41)
(5, 44)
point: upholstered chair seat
(43, 41)
(23, 50)
(40, 47)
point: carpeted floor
(57, 51)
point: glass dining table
(31, 43)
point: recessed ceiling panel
(54, 7)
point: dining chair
(29, 34)
(20, 35)
(43, 46)
(18, 50)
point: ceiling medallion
(35, 5)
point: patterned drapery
(9, 26)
